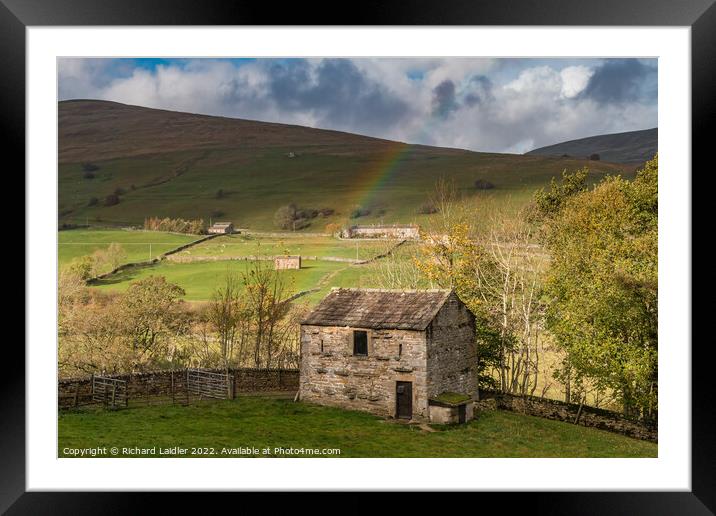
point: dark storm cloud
(444, 99)
(478, 91)
(337, 92)
(622, 80)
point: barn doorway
(462, 413)
(404, 400)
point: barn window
(400, 350)
(360, 343)
(321, 345)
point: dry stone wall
(561, 411)
(170, 385)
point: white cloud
(574, 80)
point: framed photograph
(432, 250)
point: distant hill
(630, 147)
(169, 164)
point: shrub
(292, 217)
(93, 201)
(326, 212)
(285, 216)
(119, 191)
(193, 227)
(111, 200)
(89, 167)
(88, 175)
(483, 184)
(359, 211)
(220, 193)
(594, 157)
(427, 208)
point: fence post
(187, 386)
(77, 394)
(114, 394)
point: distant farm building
(287, 262)
(221, 228)
(401, 231)
(402, 354)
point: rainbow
(376, 176)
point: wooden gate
(209, 384)
(110, 392)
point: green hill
(631, 147)
(164, 163)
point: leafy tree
(549, 203)
(83, 267)
(149, 311)
(601, 287)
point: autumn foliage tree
(601, 287)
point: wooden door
(404, 400)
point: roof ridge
(395, 290)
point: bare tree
(227, 315)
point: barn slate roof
(378, 309)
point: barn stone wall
(409, 232)
(452, 351)
(287, 262)
(331, 375)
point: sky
(482, 104)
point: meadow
(262, 421)
(137, 245)
(241, 245)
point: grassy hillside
(634, 147)
(264, 422)
(163, 163)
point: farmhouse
(402, 354)
(402, 231)
(221, 228)
(287, 262)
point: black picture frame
(700, 15)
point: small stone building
(221, 228)
(402, 354)
(399, 231)
(287, 262)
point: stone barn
(287, 262)
(221, 228)
(398, 231)
(400, 354)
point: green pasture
(260, 421)
(254, 245)
(201, 279)
(137, 245)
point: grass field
(74, 243)
(267, 422)
(200, 279)
(296, 244)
